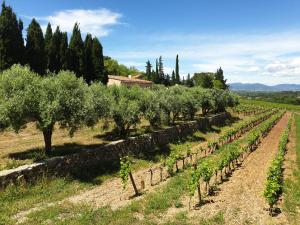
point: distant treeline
(204, 79)
(50, 52)
(287, 97)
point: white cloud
(96, 22)
(266, 57)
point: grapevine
(125, 170)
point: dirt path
(241, 199)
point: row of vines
(189, 157)
(228, 157)
(274, 183)
(230, 135)
(248, 109)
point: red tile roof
(129, 80)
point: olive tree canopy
(26, 97)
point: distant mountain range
(263, 87)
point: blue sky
(253, 41)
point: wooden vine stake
(151, 177)
(198, 187)
(133, 184)
(161, 173)
(125, 173)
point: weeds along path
(110, 192)
(241, 197)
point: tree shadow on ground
(38, 154)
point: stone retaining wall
(107, 154)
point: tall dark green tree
(173, 78)
(177, 76)
(11, 39)
(204, 80)
(76, 52)
(219, 78)
(167, 81)
(156, 77)
(160, 68)
(100, 73)
(35, 48)
(89, 67)
(48, 37)
(54, 52)
(189, 81)
(153, 75)
(148, 70)
(64, 51)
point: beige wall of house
(113, 82)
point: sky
(254, 41)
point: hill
(263, 87)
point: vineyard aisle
(241, 198)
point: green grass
(146, 211)
(15, 199)
(152, 206)
(292, 186)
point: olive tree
(125, 108)
(98, 103)
(172, 103)
(64, 99)
(189, 104)
(25, 97)
(151, 107)
(204, 99)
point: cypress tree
(11, 39)
(89, 67)
(64, 51)
(35, 48)
(76, 52)
(173, 78)
(156, 77)
(153, 75)
(98, 62)
(167, 81)
(160, 67)
(48, 37)
(219, 76)
(54, 51)
(177, 76)
(148, 70)
(189, 81)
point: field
(110, 117)
(232, 179)
(295, 108)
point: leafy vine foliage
(274, 183)
(125, 170)
(227, 155)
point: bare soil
(241, 199)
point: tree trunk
(48, 139)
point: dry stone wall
(106, 154)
